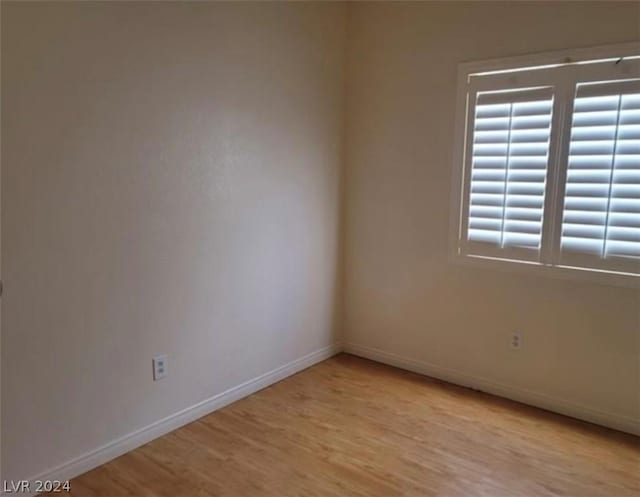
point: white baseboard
(537, 399)
(127, 443)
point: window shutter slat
(610, 89)
(510, 153)
(602, 196)
(507, 97)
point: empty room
(308, 249)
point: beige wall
(170, 184)
(403, 297)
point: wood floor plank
(349, 426)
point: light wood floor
(351, 427)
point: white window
(547, 163)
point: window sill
(559, 272)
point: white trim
(559, 271)
(473, 76)
(561, 57)
(115, 448)
(458, 169)
(530, 397)
(133, 440)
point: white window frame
(553, 262)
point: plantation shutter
(509, 162)
(601, 215)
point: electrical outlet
(159, 367)
(516, 340)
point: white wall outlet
(516, 340)
(159, 367)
